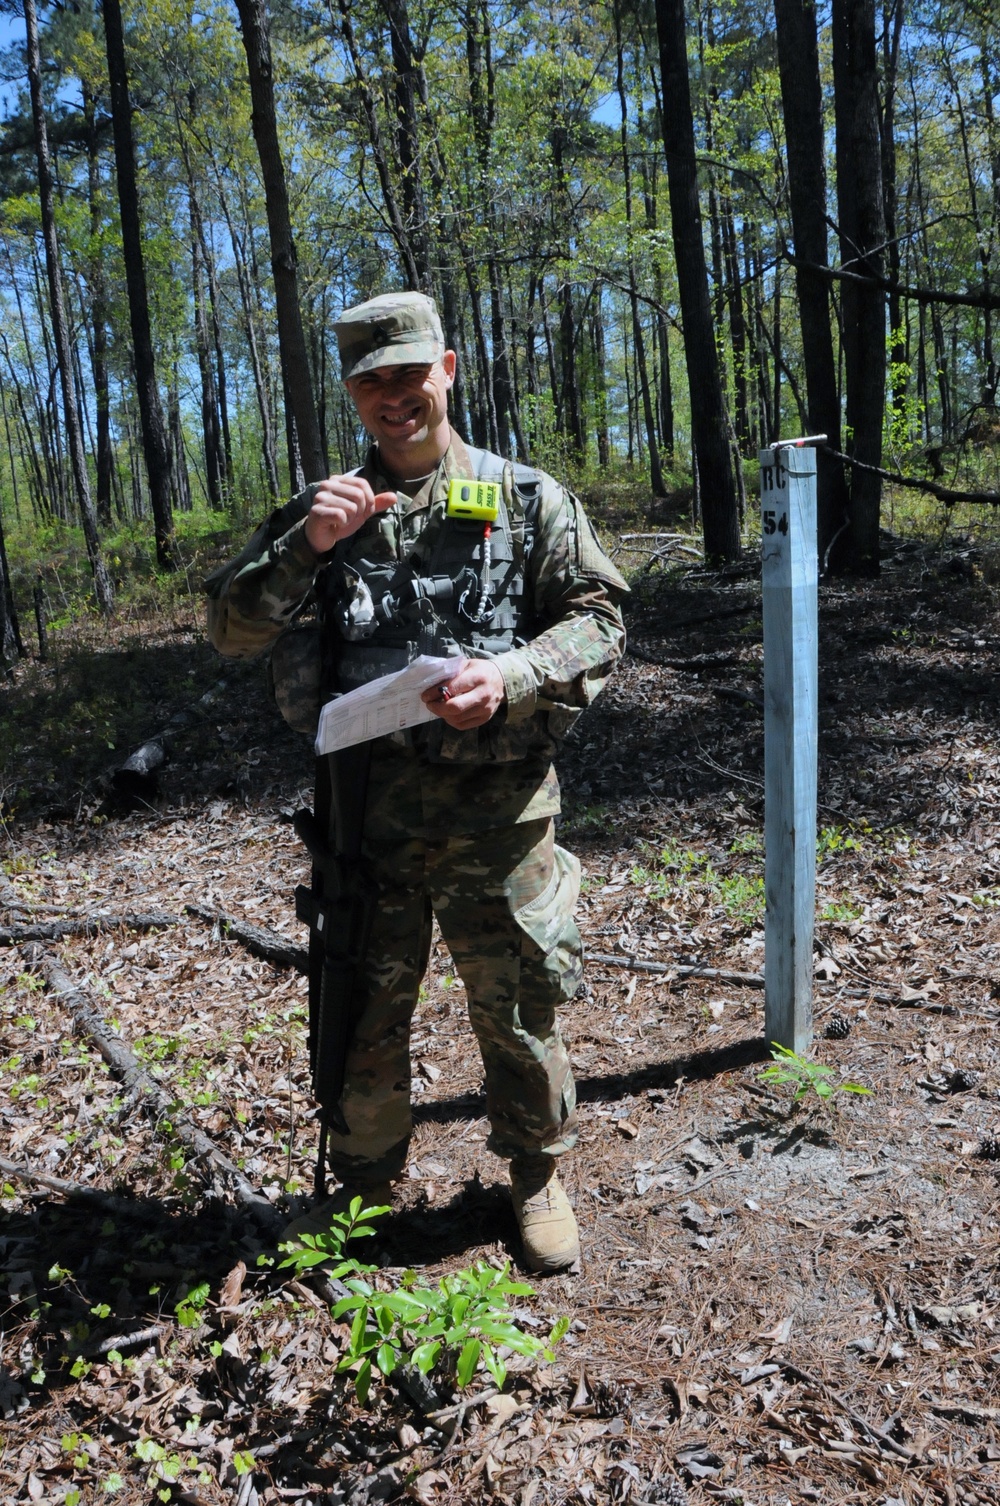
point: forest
(661, 237)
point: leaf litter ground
(777, 1303)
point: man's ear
(449, 364)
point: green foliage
(568, 242)
(166, 1467)
(842, 910)
(834, 841)
(189, 1308)
(805, 1076)
(670, 869)
(742, 897)
(461, 1324)
(587, 821)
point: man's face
(405, 408)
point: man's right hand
(339, 508)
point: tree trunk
(709, 428)
(802, 104)
(259, 377)
(45, 493)
(284, 262)
(179, 470)
(208, 255)
(154, 435)
(892, 28)
(11, 647)
(366, 99)
(482, 99)
(485, 427)
(638, 339)
(60, 328)
(210, 431)
(99, 317)
(666, 409)
(601, 383)
(737, 323)
(569, 392)
(550, 360)
(991, 87)
(405, 93)
(862, 236)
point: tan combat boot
(544, 1216)
(319, 1218)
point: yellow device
(478, 501)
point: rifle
(338, 906)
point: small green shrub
(455, 1327)
(806, 1076)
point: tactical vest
(386, 599)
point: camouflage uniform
(458, 824)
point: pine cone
(838, 1027)
(665, 1492)
(961, 1080)
(610, 1398)
(989, 1148)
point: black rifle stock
(338, 906)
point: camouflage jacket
(571, 595)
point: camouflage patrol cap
(395, 329)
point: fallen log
(84, 925)
(259, 940)
(112, 1201)
(137, 779)
(154, 1099)
(679, 971)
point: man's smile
(398, 419)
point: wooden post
(789, 580)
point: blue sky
(11, 30)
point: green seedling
(842, 910)
(742, 897)
(833, 841)
(455, 1327)
(806, 1076)
(188, 1309)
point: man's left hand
(470, 698)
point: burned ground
(779, 1302)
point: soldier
(458, 814)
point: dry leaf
(780, 1333)
(431, 1485)
(232, 1287)
(581, 1396)
(503, 1408)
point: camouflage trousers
(504, 900)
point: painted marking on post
(789, 588)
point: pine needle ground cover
(781, 1301)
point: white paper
(382, 706)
